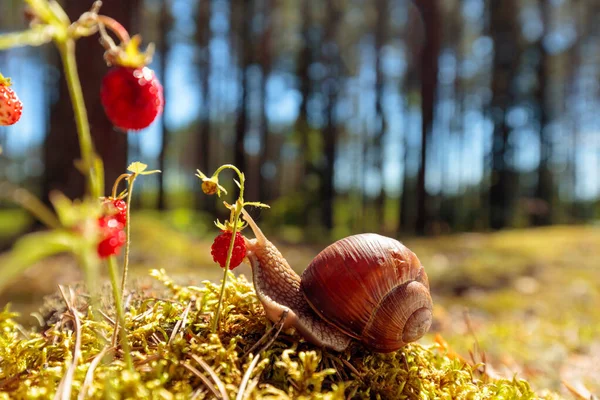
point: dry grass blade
(213, 375)
(180, 325)
(107, 318)
(351, 368)
(89, 376)
(203, 378)
(577, 393)
(259, 342)
(246, 378)
(64, 388)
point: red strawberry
(220, 247)
(11, 107)
(117, 208)
(132, 97)
(112, 237)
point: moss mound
(176, 356)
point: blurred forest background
(394, 116)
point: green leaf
(137, 167)
(33, 248)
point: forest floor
(525, 302)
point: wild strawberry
(132, 97)
(117, 208)
(220, 247)
(11, 107)
(112, 237)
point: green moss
(177, 357)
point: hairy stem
(127, 245)
(112, 270)
(128, 230)
(91, 168)
(32, 37)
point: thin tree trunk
(266, 189)
(330, 130)
(241, 12)
(302, 128)
(503, 31)
(429, 79)
(380, 38)
(545, 186)
(163, 50)
(203, 38)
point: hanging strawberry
(11, 107)
(131, 94)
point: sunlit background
(329, 106)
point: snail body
(367, 287)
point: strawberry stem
(115, 27)
(239, 205)
(128, 231)
(131, 180)
(116, 185)
(112, 270)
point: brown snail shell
(367, 287)
(372, 288)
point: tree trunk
(429, 79)
(61, 147)
(241, 12)
(267, 182)
(545, 186)
(203, 38)
(380, 38)
(163, 51)
(503, 31)
(330, 131)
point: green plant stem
(227, 263)
(112, 270)
(128, 231)
(36, 36)
(67, 53)
(127, 245)
(236, 215)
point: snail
(366, 287)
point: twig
(89, 376)
(246, 378)
(203, 378)
(64, 388)
(213, 375)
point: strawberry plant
(230, 255)
(93, 228)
